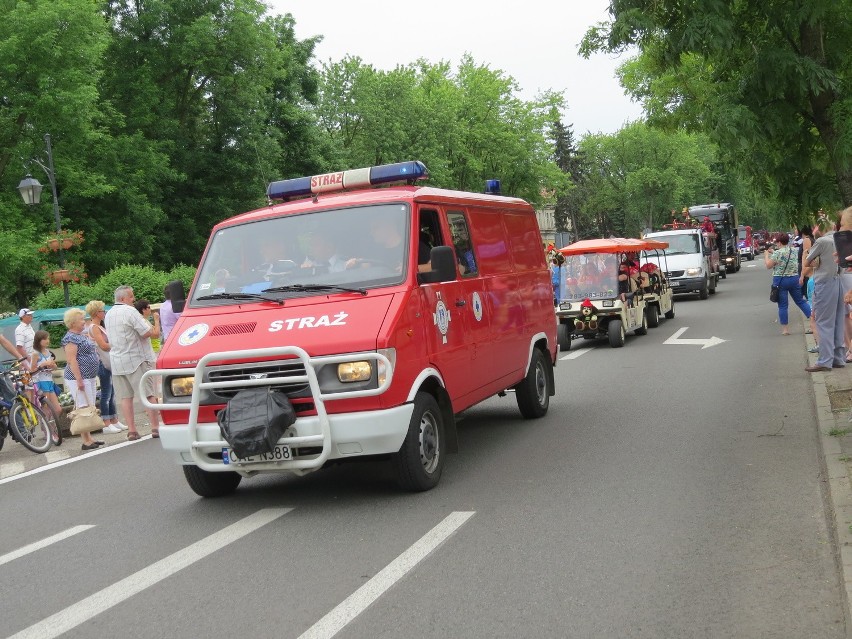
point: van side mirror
(443, 262)
(176, 295)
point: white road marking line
(359, 600)
(35, 471)
(80, 612)
(44, 543)
(9, 469)
(576, 353)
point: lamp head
(30, 190)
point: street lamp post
(30, 189)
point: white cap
(25, 311)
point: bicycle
(19, 417)
(40, 402)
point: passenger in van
(389, 250)
(323, 255)
(463, 247)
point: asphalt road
(671, 491)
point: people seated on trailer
(589, 279)
(627, 272)
(323, 256)
(707, 226)
(650, 274)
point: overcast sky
(534, 41)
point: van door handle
(460, 302)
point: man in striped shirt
(129, 337)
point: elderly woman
(81, 369)
(96, 310)
(784, 262)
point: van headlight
(693, 271)
(182, 386)
(354, 371)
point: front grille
(674, 274)
(279, 371)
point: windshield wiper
(296, 288)
(238, 296)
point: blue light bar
(492, 187)
(407, 172)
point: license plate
(279, 453)
(674, 283)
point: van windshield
(306, 254)
(679, 244)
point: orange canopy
(612, 245)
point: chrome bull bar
(198, 449)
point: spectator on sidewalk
(24, 336)
(830, 309)
(81, 369)
(168, 317)
(96, 311)
(43, 364)
(128, 334)
(785, 268)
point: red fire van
(381, 313)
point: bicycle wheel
(31, 426)
(52, 424)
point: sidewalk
(833, 398)
(15, 459)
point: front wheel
(53, 424)
(533, 393)
(30, 426)
(563, 337)
(670, 312)
(420, 459)
(642, 330)
(615, 332)
(703, 292)
(207, 484)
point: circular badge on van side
(442, 318)
(193, 334)
(477, 307)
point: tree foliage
(768, 80)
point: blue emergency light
(492, 187)
(407, 172)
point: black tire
(713, 282)
(703, 291)
(52, 424)
(670, 312)
(30, 426)
(724, 272)
(615, 331)
(207, 484)
(420, 459)
(533, 393)
(653, 314)
(642, 330)
(563, 337)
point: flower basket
(64, 240)
(60, 275)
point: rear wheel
(724, 272)
(670, 312)
(563, 337)
(30, 426)
(420, 460)
(713, 282)
(653, 316)
(533, 393)
(642, 330)
(207, 484)
(615, 332)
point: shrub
(54, 297)
(146, 282)
(183, 273)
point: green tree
(769, 80)
(570, 161)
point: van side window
(462, 243)
(430, 235)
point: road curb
(836, 476)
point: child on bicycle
(43, 364)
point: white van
(687, 263)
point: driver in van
(323, 255)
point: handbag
(85, 419)
(773, 291)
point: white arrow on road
(703, 343)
